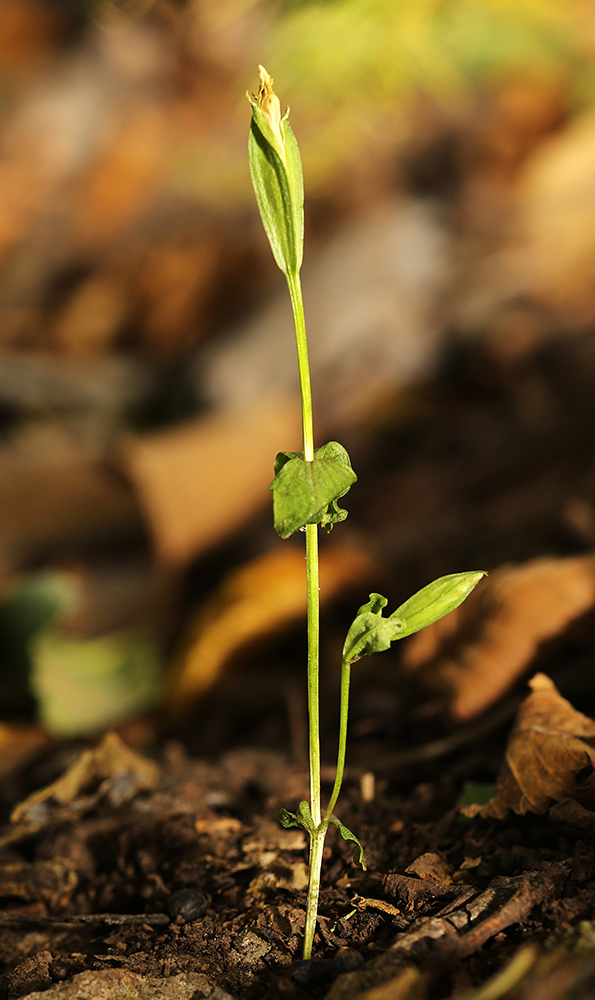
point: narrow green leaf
(359, 858)
(371, 633)
(306, 492)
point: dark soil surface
(191, 889)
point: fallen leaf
(554, 258)
(113, 768)
(51, 881)
(18, 745)
(547, 758)
(430, 866)
(475, 654)
(47, 505)
(408, 984)
(257, 600)
(200, 482)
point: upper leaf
(306, 492)
(276, 171)
(371, 633)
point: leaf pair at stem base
(303, 819)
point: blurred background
(147, 373)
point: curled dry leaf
(548, 758)
(111, 768)
(475, 654)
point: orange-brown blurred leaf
(547, 758)
(18, 745)
(200, 482)
(476, 653)
(257, 600)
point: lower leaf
(359, 858)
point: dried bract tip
(269, 103)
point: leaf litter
(549, 756)
(475, 655)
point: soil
(191, 889)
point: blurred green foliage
(355, 68)
(351, 64)
(81, 684)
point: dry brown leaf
(121, 772)
(547, 758)
(18, 745)
(199, 482)
(556, 252)
(257, 600)
(430, 866)
(408, 984)
(44, 505)
(475, 654)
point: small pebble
(185, 905)
(347, 959)
(313, 971)
(507, 861)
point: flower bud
(276, 171)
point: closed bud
(436, 600)
(276, 172)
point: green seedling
(308, 484)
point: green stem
(316, 850)
(297, 304)
(345, 679)
(313, 587)
(313, 627)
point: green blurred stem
(297, 304)
(345, 679)
(312, 575)
(313, 695)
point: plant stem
(295, 292)
(344, 710)
(313, 588)
(316, 850)
(313, 668)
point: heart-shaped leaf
(306, 492)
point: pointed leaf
(305, 817)
(436, 600)
(302, 819)
(305, 492)
(359, 858)
(288, 820)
